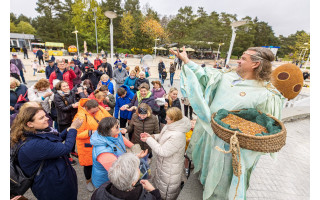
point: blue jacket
(110, 86)
(49, 70)
(130, 82)
(14, 95)
(122, 101)
(103, 144)
(39, 53)
(57, 179)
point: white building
(20, 39)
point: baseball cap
(14, 54)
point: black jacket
(162, 112)
(139, 82)
(160, 67)
(108, 69)
(93, 76)
(65, 111)
(109, 192)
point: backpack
(19, 182)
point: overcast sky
(285, 16)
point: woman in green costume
(208, 90)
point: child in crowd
(105, 80)
(123, 97)
(188, 138)
(128, 69)
(163, 75)
(35, 67)
(187, 107)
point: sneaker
(90, 187)
(74, 154)
(73, 162)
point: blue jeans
(160, 76)
(171, 78)
(22, 77)
(34, 72)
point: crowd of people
(77, 112)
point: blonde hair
(169, 97)
(13, 80)
(146, 107)
(174, 114)
(104, 77)
(133, 71)
(99, 94)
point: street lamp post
(111, 15)
(76, 32)
(219, 49)
(95, 25)
(234, 25)
(155, 47)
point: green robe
(209, 90)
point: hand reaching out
(142, 154)
(147, 185)
(183, 55)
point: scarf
(140, 98)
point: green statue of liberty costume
(209, 90)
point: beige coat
(169, 146)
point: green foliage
(127, 26)
(120, 50)
(13, 28)
(25, 27)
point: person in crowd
(16, 89)
(40, 92)
(124, 64)
(172, 100)
(128, 70)
(143, 121)
(131, 81)
(92, 74)
(169, 146)
(97, 62)
(46, 56)
(20, 66)
(146, 70)
(25, 52)
(187, 107)
(53, 58)
(14, 71)
(142, 79)
(26, 105)
(84, 65)
(116, 63)
(100, 97)
(107, 68)
(161, 66)
(76, 61)
(76, 81)
(108, 144)
(119, 75)
(35, 66)
(44, 148)
(124, 96)
(91, 113)
(117, 55)
(88, 87)
(39, 55)
(142, 96)
(50, 68)
(109, 100)
(172, 71)
(105, 80)
(164, 75)
(180, 64)
(159, 96)
(137, 69)
(66, 106)
(62, 73)
(124, 182)
(102, 53)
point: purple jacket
(78, 72)
(158, 93)
(14, 69)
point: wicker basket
(267, 144)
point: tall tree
(127, 24)
(25, 27)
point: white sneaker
(90, 187)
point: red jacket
(91, 96)
(97, 62)
(68, 76)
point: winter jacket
(83, 66)
(57, 179)
(161, 66)
(104, 144)
(158, 93)
(14, 69)
(39, 54)
(14, 95)
(49, 70)
(111, 103)
(109, 192)
(37, 96)
(149, 99)
(120, 76)
(77, 71)
(68, 76)
(162, 112)
(139, 82)
(123, 101)
(172, 68)
(169, 146)
(18, 63)
(76, 62)
(107, 69)
(94, 77)
(149, 125)
(63, 103)
(89, 125)
(97, 63)
(130, 82)
(175, 103)
(110, 86)
(164, 75)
